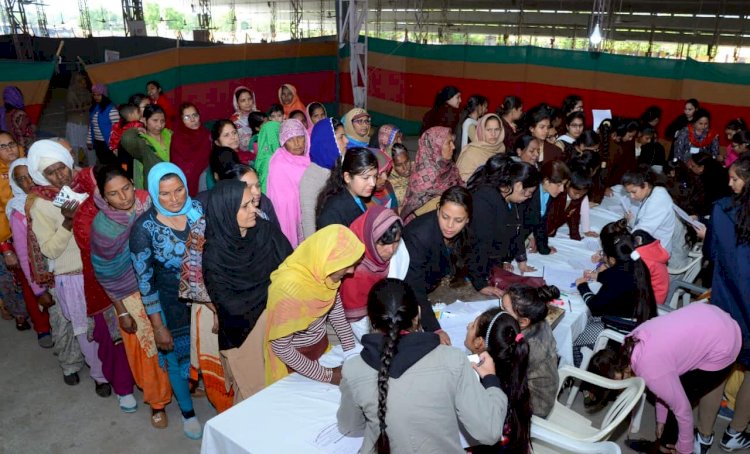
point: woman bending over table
(498, 190)
(302, 298)
(409, 394)
(438, 246)
(684, 357)
(528, 306)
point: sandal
(159, 418)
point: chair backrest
(694, 268)
(689, 272)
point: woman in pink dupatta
(285, 171)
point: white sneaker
(128, 403)
(740, 440)
(701, 445)
(192, 428)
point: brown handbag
(502, 279)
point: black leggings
(696, 383)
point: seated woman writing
(626, 289)
(302, 298)
(408, 393)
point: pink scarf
(284, 174)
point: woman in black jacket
(498, 189)
(438, 245)
(346, 193)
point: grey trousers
(67, 349)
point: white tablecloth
(298, 415)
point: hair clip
(489, 328)
(519, 337)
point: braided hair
(392, 308)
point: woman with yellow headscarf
(302, 297)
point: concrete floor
(41, 414)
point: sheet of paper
(592, 244)
(581, 264)
(600, 116)
(686, 217)
(330, 440)
(625, 204)
(563, 279)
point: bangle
(124, 314)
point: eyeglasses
(6, 146)
(193, 116)
(362, 121)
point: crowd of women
(216, 262)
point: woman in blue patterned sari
(157, 246)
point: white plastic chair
(545, 441)
(586, 353)
(567, 424)
(688, 273)
(601, 343)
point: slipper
(159, 418)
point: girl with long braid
(407, 392)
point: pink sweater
(19, 229)
(698, 336)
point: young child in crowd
(276, 113)
(572, 209)
(528, 306)
(130, 117)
